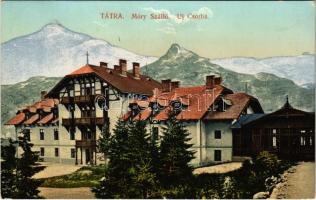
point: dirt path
(222, 168)
(56, 169)
(299, 183)
(66, 193)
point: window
(42, 151)
(56, 135)
(27, 134)
(155, 133)
(41, 134)
(218, 134)
(303, 141)
(56, 152)
(274, 141)
(72, 135)
(72, 153)
(218, 155)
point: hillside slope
(191, 69)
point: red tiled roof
(126, 116)
(163, 115)
(240, 101)
(46, 119)
(127, 84)
(199, 102)
(55, 120)
(32, 119)
(143, 115)
(46, 105)
(196, 101)
(19, 118)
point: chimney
(43, 94)
(123, 66)
(136, 70)
(210, 81)
(174, 85)
(117, 68)
(103, 64)
(166, 85)
(218, 80)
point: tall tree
(175, 153)
(104, 141)
(27, 166)
(8, 169)
(141, 161)
(114, 184)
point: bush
(265, 164)
(256, 175)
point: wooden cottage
(287, 132)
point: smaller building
(207, 112)
(40, 122)
(287, 132)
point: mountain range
(186, 66)
(300, 68)
(55, 50)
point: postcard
(165, 99)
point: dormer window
(41, 112)
(55, 112)
(222, 105)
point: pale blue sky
(256, 29)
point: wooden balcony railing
(67, 122)
(84, 121)
(86, 143)
(66, 100)
(84, 99)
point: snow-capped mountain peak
(55, 50)
(299, 68)
(176, 51)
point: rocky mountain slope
(191, 69)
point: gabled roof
(283, 113)
(46, 119)
(32, 119)
(126, 84)
(240, 102)
(19, 118)
(143, 115)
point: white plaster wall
(116, 110)
(77, 111)
(98, 110)
(62, 112)
(224, 144)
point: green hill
(16, 96)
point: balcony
(86, 143)
(84, 121)
(84, 99)
(66, 100)
(67, 122)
